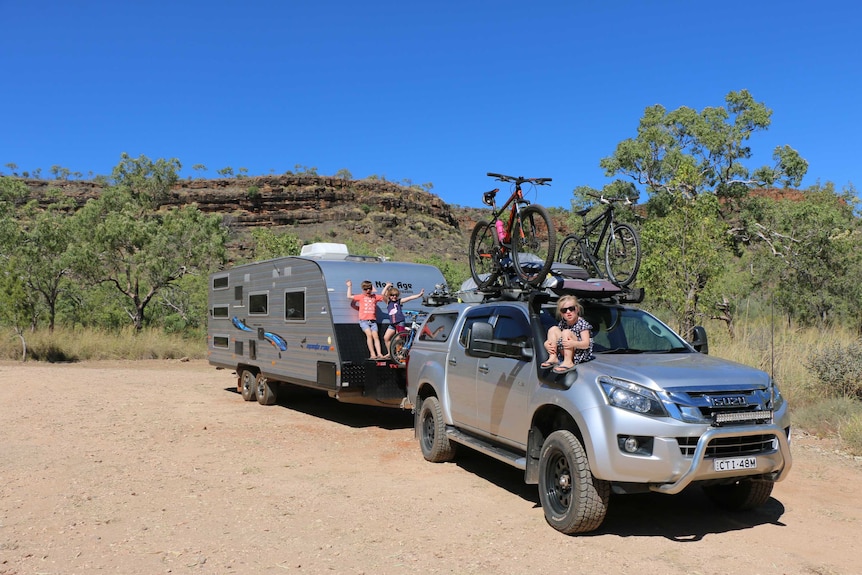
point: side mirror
(480, 339)
(699, 340)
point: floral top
(581, 355)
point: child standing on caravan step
(395, 309)
(367, 302)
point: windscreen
(619, 329)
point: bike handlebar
(603, 200)
(520, 179)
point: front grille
(730, 446)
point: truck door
(461, 372)
(506, 381)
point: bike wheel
(534, 244)
(623, 254)
(398, 349)
(483, 249)
(570, 252)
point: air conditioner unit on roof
(325, 250)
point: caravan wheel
(247, 385)
(265, 391)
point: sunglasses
(393, 295)
(573, 308)
(367, 289)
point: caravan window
(258, 303)
(221, 341)
(220, 312)
(294, 305)
(220, 282)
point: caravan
(288, 321)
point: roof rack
(573, 280)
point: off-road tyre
(435, 445)
(573, 500)
(533, 244)
(740, 496)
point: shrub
(851, 434)
(838, 368)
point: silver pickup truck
(650, 412)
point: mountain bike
(526, 242)
(621, 243)
(400, 345)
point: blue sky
(431, 92)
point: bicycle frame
(589, 227)
(516, 201)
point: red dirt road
(160, 467)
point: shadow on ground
(318, 404)
(685, 517)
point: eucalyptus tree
(46, 243)
(679, 156)
(807, 251)
(124, 239)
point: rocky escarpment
(315, 208)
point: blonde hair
(568, 301)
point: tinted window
(294, 305)
(220, 282)
(472, 316)
(438, 327)
(512, 326)
(258, 303)
(220, 311)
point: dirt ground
(160, 467)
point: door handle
(453, 361)
(484, 369)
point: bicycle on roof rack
(621, 243)
(526, 242)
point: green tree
(268, 244)
(17, 306)
(685, 251)
(124, 242)
(680, 155)
(148, 182)
(686, 153)
(806, 247)
(45, 243)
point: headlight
(632, 397)
(777, 398)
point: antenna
(772, 355)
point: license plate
(734, 463)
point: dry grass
(89, 344)
(784, 352)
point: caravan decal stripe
(273, 338)
(276, 340)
